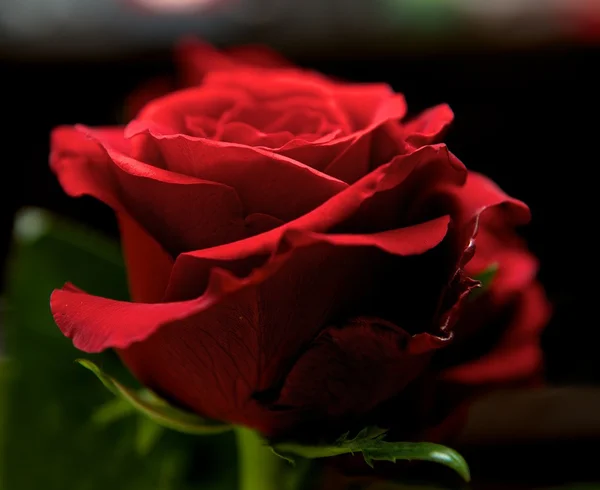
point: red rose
(194, 59)
(497, 339)
(295, 252)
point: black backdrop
(529, 119)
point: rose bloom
(299, 253)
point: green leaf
(48, 403)
(485, 277)
(113, 410)
(156, 408)
(147, 435)
(370, 442)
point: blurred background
(520, 75)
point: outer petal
(517, 354)
(292, 249)
(516, 266)
(162, 202)
(213, 353)
(378, 202)
(429, 126)
(479, 194)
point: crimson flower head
(298, 250)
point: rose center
(270, 124)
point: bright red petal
(96, 163)
(429, 126)
(377, 202)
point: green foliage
(370, 442)
(157, 409)
(61, 430)
(485, 277)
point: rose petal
(242, 133)
(258, 223)
(93, 163)
(296, 114)
(369, 104)
(174, 110)
(91, 338)
(516, 266)
(265, 181)
(517, 354)
(428, 126)
(148, 265)
(349, 370)
(237, 336)
(366, 206)
(479, 194)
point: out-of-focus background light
(175, 6)
(109, 26)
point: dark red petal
(518, 353)
(95, 163)
(148, 265)
(467, 204)
(88, 319)
(265, 181)
(239, 336)
(369, 204)
(516, 266)
(429, 126)
(351, 369)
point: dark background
(528, 116)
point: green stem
(259, 467)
